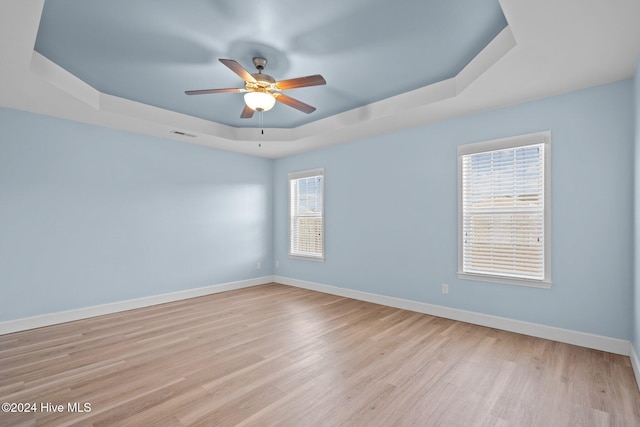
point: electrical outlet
(445, 288)
(258, 266)
(277, 264)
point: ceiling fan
(262, 91)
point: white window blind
(306, 214)
(504, 228)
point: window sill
(543, 284)
(306, 258)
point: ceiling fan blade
(247, 112)
(238, 69)
(315, 80)
(205, 91)
(292, 102)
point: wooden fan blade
(247, 112)
(292, 102)
(315, 80)
(238, 69)
(205, 91)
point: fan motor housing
(264, 78)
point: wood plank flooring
(274, 355)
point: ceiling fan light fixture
(259, 101)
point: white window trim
(501, 144)
(306, 174)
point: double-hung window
(504, 205)
(306, 214)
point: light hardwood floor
(282, 356)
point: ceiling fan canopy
(262, 91)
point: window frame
(543, 138)
(298, 175)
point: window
(306, 214)
(504, 204)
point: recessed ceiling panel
(151, 51)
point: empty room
(339, 213)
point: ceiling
(151, 51)
(388, 65)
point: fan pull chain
(261, 124)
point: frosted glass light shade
(259, 101)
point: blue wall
(90, 215)
(391, 213)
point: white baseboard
(597, 342)
(23, 324)
(635, 363)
